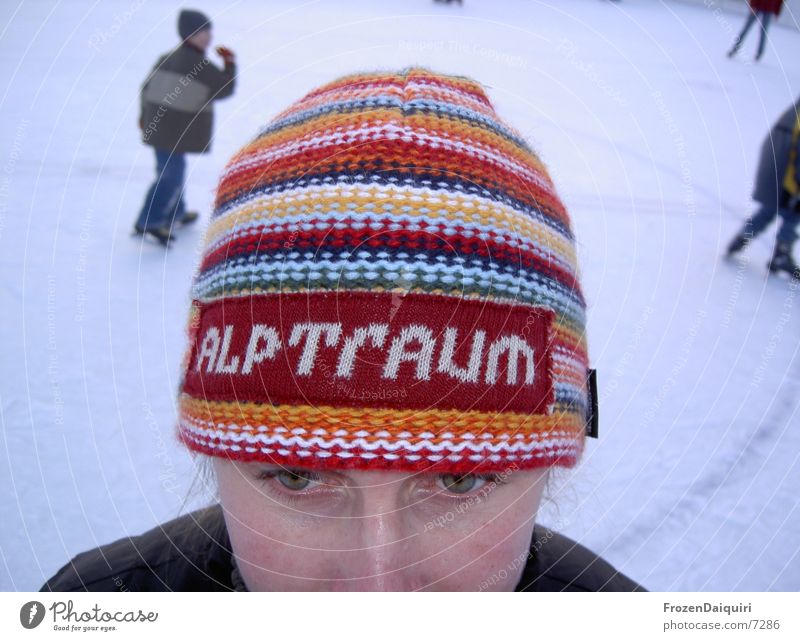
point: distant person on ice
(761, 11)
(777, 190)
(177, 118)
(387, 359)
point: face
(201, 39)
(296, 529)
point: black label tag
(592, 417)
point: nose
(383, 556)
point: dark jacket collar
(190, 46)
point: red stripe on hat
(262, 239)
(390, 155)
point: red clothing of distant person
(771, 6)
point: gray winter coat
(177, 100)
(774, 161)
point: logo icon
(31, 614)
(402, 285)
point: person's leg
(759, 221)
(752, 227)
(782, 259)
(175, 171)
(181, 211)
(764, 18)
(183, 216)
(740, 38)
(787, 232)
(152, 210)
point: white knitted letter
(398, 353)
(222, 366)
(515, 346)
(313, 331)
(271, 346)
(471, 372)
(377, 332)
(208, 349)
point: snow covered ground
(652, 135)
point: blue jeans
(164, 202)
(787, 232)
(763, 20)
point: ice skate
(160, 234)
(782, 262)
(738, 243)
(188, 218)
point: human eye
(461, 484)
(292, 480)
(306, 491)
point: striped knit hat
(389, 281)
